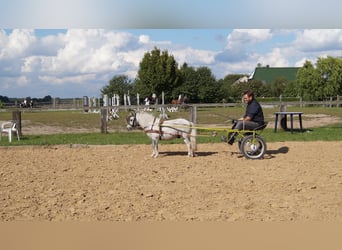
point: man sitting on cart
(253, 118)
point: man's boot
(231, 138)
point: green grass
(119, 138)
(315, 134)
(118, 134)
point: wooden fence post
(16, 117)
(103, 122)
(193, 119)
(193, 114)
(54, 103)
(338, 101)
(85, 103)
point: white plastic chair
(9, 128)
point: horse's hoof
(154, 155)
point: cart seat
(261, 127)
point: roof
(269, 74)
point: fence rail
(78, 103)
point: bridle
(132, 120)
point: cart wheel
(253, 147)
(240, 143)
(241, 139)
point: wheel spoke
(253, 147)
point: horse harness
(160, 126)
(149, 129)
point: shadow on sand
(281, 150)
(269, 153)
(184, 153)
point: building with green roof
(270, 74)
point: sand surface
(296, 181)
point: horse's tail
(193, 136)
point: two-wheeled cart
(250, 142)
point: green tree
(47, 99)
(158, 73)
(277, 87)
(229, 88)
(291, 89)
(321, 82)
(4, 99)
(208, 87)
(189, 84)
(256, 86)
(199, 85)
(119, 84)
(307, 79)
(330, 70)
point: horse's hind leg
(189, 147)
(152, 155)
(155, 152)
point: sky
(43, 52)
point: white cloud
(67, 79)
(276, 58)
(194, 57)
(242, 46)
(310, 44)
(3, 40)
(93, 51)
(30, 64)
(144, 39)
(319, 39)
(239, 38)
(22, 81)
(17, 43)
(301, 62)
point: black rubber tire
(253, 147)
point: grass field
(117, 134)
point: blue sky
(48, 49)
(78, 62)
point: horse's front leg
(189, 147)
(155, 152)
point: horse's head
(131, 120)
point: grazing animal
(160, 129)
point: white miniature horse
(159, 129)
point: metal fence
(98, 103)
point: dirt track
(297, 181)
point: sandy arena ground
(296, 181)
